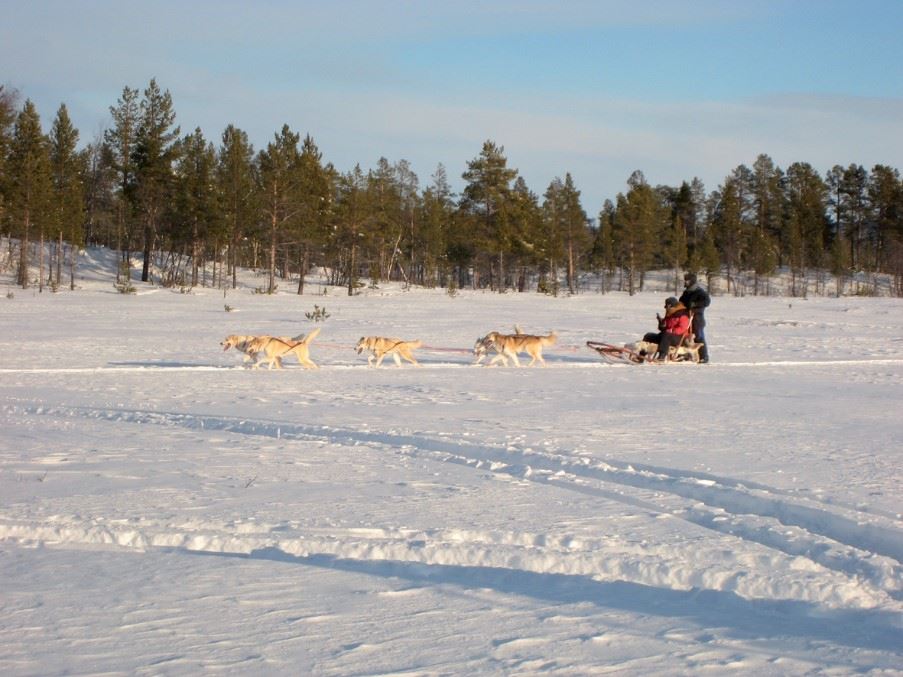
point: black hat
(690, 278)
(671, 301)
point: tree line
(194, 212)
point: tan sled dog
(271, 349)
(380, 346)
(240, 342)
(509, 345)
(484, 344)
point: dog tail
(309, 337)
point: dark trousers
(699, 333)
(665, 341)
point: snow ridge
(820, 552)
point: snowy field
(165, 511)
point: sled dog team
(270, 350)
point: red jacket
(676, 320)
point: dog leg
(397, 359)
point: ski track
(837, 539)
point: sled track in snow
(856, 543)
(551, 363)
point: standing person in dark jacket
(697, 299)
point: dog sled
(643, 351)
(640, 352)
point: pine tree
(278, 185)
(436, 218)
(385, 220)
(728, 228)
(768, 204)
(29, 183)
(121, 141)
(236, 184)
(315, 202)
(639, 222)
(566, 224)
(807, 227)
(603, 252)
(197, 206)
(854, 203)
(100, 200)
(885, 193)
(352, 210)
(154, 152)
(68, 190)
(525, 217)
(7, 120)
(487, 197)
(408, 185)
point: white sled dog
(271, 349)
(507, 346)
(380, 346)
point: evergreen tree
(807, 227)
(408, 186)
(29, 192)
(237, 188)
(198, 216)
(885, 194)
(121, 142)
(487, 198)
(278, 179)
(768, 204)
(316, 188)
(602, 256)
(639, 221)
(566, 225)
(436, 218)
(728, 229)
(352, 212)
(154, 153)
(7, 120)
(853, 200)
(68, 191)
(525, 217)
(100, 201)
(682, 223)
(385, 219)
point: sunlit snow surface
(164, 510)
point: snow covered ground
(165, 511)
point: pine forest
(188, 210)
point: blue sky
(677, 89)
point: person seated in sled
(671, 328)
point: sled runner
(616, 354)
